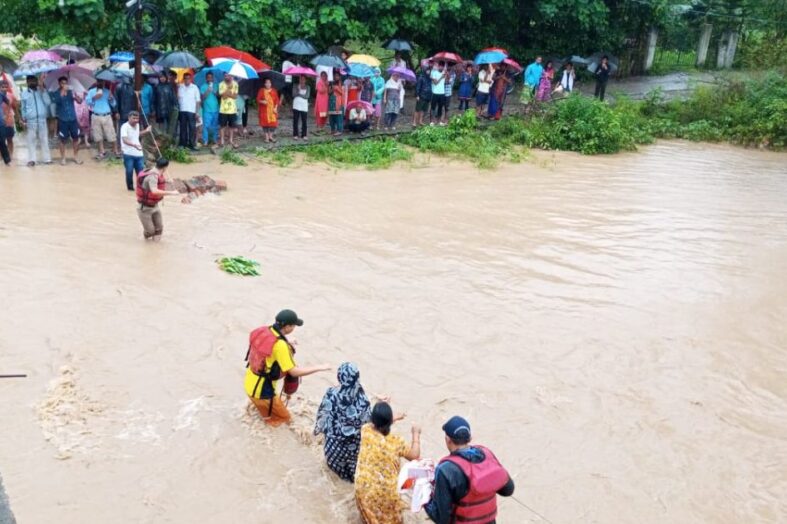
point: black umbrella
(179, 59)
(151, 55)
(9, 66)
(109, 75)
(395, 44)
(595, 59)
(70, 52)
(328, 61)
(557, 62)
(252, 86)
(298, 46)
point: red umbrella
(500, 49)
(447, 57)
(300, 71)
(513, 63)
(226, 51)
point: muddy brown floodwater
(614, 327)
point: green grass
(228, 156)
(373, 153)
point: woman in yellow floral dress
(378, 467)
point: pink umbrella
(362, 103)
(513, 63)
(41, 54)
(300, 71)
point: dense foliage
(548, 26)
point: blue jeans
(132, 163)
(210, 125)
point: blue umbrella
(490, 57)
(199, 78)
(35, 67)
(361, 71)
(235, 68)
(121, 56)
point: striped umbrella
(235, 68)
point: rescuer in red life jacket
(467, 481)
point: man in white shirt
(189, 102)
(133, 154)
(438, 76)
(484, 84)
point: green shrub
(177, 154)
(586, 125)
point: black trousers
(188, 129)
(298, 115)
(601, 89)
(438, 103)
(4, 147)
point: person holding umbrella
(438, 77)
(228, 91)
(300, 107)
(67, 126)
(35, 109)
(268, 110)
(602, 76)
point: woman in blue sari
(344, 409)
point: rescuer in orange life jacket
(151, 189)
(270, 359)
(467, 481)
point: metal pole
(138, 48)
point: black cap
(288, 317)
(457, 428)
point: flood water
(612, 327)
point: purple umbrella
(403, 72)
(41, 54)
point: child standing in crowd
(449, 87)
(336, 107)
(465, 88)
